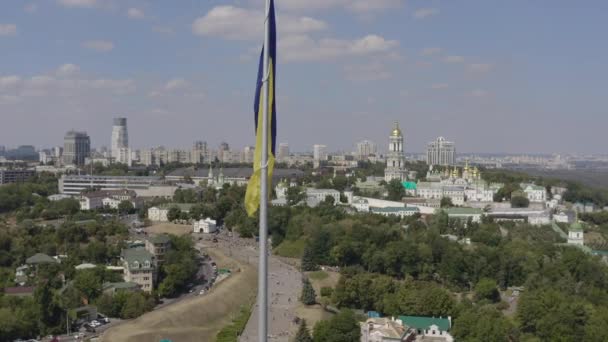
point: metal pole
(263, 260)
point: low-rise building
(576, 235)
(361, 205)
(377, 329)
(15, 175)
(395, 211)
(206, 226)
(535, 193)
(160, 212)
(430, 328)
(319, 195)
(139, 268)
(464, 213)
(158, 246)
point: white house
(535, 193)
(159, 213)
(206, 226)
(395, 211)
(319, 195)
(576, 234)
(361, 204)
(464, 213)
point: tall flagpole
(263, 236)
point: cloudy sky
(494, 76)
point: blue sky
(493, 76)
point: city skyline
(185, 74)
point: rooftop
(420, 322)
(394, 209)
(463, 211)
(137, 258)
(40, 258)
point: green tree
(446, 202)
(295, 195)
(395, 189)
(303, 335)
(308, 297)
(486, 289)
(125, 207)
(343, 327)
(519, 202)
(88, 283)
(482, 324)
(173, 214)
(308, 262)
(136, 305)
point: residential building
(139, 268)
(15, 175)
(159, 214)
(158, 246)
(464, 213)
(395, 159)
(199, 152)
(361, 205)
(76, 148)
(395, 211)
(320, 195)
(248, 154)
(377, 329)
(113, 288)
(576, 235)
(429, 328)
(441, 152)
(319, 153)
(535, 193)
(91, 200)
(283, 153)
(120, 142)
(148, 186)
(365, 149)
(206, 226)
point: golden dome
(396, 131)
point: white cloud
(30, 8)
(437, 86)
(425, 13)
(99, 45)
(8, 29)
(237, 23)
(454, 59)
(68, 70)
(304, 48)
(176, 83)
(9, 82)
(135, 13)
(360, 6)
(78, 3)
(480, 67)
(479, 93)
(430, 51)
(367, 72)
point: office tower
(395, 159)
(365, 149)
(441, 152)
(120, 142)
(283, 152)
(76, 147)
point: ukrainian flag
(252, 197)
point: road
(285, 285)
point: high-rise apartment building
(365, 149)
(283, 152)
(199, 152)
(395, 159)
(76, 147)
(120, 142)
(441, 152)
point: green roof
(159, 239)
(120, 286)
(409, 185)
(393, 209)
(463, 211)
(139, 255)
(423, 323)
(40, 258)
(576, 227)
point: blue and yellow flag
(252, 197)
